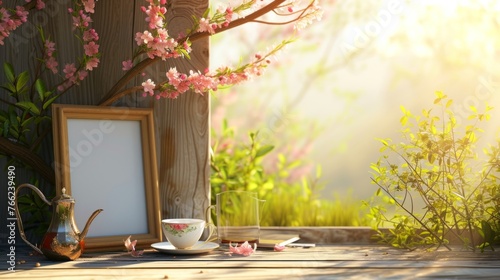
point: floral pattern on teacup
(179, 229)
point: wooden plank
(322, 262)
(343, 256)
(260, 273)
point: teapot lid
(63, 197)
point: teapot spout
(86, 228)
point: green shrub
(240, 166)
(436, 167)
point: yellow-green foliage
(436, 167)
(239, 166)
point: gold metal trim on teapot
(62, 241)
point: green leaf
(50, 101)
(439, 96)
(384, 141)
(29, 106)
(27, 122)
(319, 171)
(44, 118)
(375, 168)
(9, 87)
(9, 72)
(487, 231)
(404, 120)
(13, 116)
(40, 88)
(6, 128)
(264, 150)
(22, 80)
(184, 53)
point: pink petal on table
(130, 245)
(245, 249)
(279, 248)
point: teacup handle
(212, 229)
(209, 224)
(207, 214)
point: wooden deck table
(321, 262)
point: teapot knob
(64, 195)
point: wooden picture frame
(105, 157)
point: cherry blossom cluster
(10, 20)
(311, 14)
(158, 44)
(223, 16)
(155, 41)
(81, 21)
(50, 60)
(39, 4)
(179, 83)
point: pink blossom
(82, 74)
(314, 13)
(89, 6)
(91, 48)
(229, 16)
(8, 23)
(64, 86)
(168, 94)
(206, 26)
(69, 70)
(81, 19)
(154, 15)
(50, 61)
(130, 246)
(201, 83)
(49, 47)
(39, 4)
(127, 65)
(92, 63)
(143, 38)
(51, 64)
(245, 249)
(90, 35)
(21, 13)
(149, 87)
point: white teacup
(183, 233)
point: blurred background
(339, 87)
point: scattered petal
(279, 248)
(245, 249)
(130, 245)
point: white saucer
(199, 248)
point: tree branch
(28, 157)
(113, 94)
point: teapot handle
(18, 216)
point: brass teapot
(63, 241)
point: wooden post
(183, 129)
